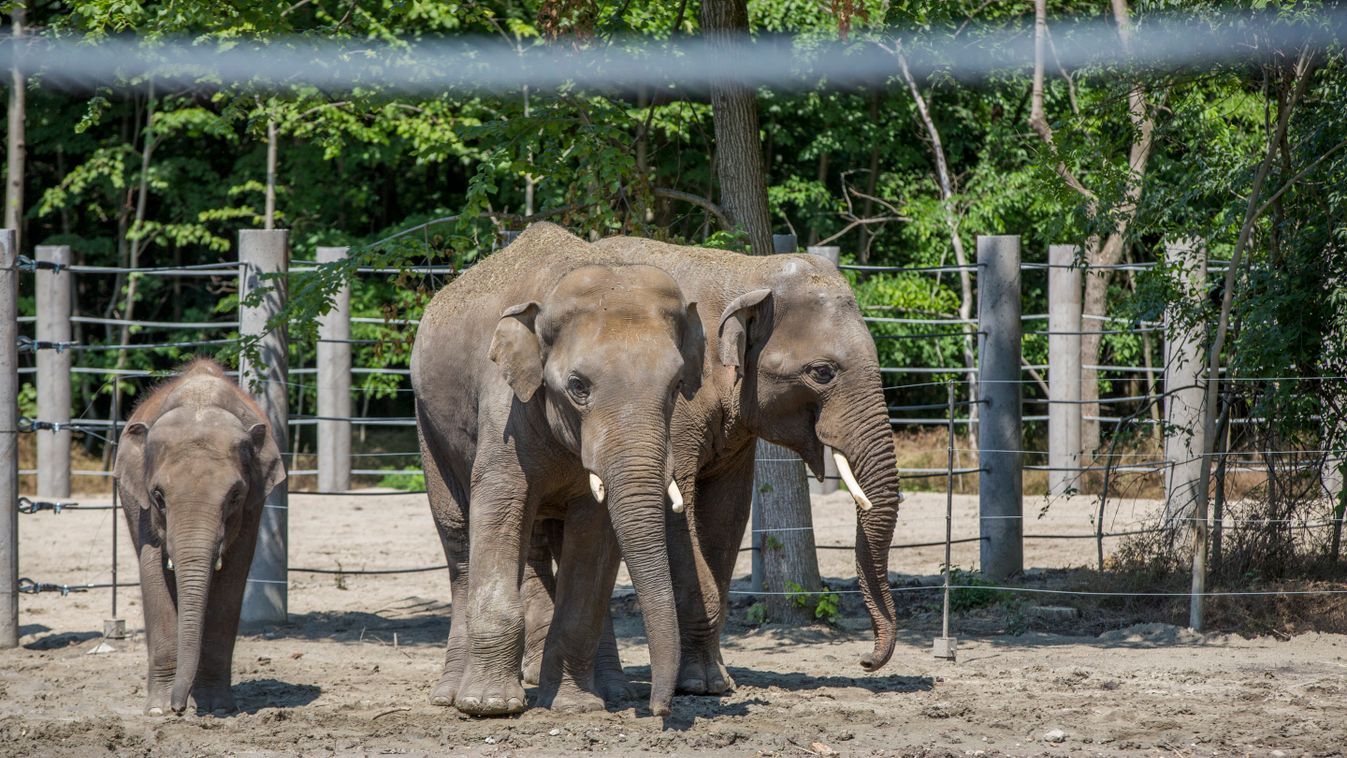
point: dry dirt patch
(351, 672)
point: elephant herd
(578, 405)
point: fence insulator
(24, 263)
(30, 345)
(27, 586)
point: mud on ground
(351, 672)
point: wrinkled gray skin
(194, 466)
(773, 323)
(533, 370)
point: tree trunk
(743, 195)
(734, 109)
(269, 215)
(16, 148)
(1110, 250)
(946, 186)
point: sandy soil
(351, 672)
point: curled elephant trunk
(194, 569)
(636, 506)
(869, 468)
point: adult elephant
(791, 361)
(544, 387)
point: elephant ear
(267, 456)
(741, 326)
(516, 350)
(128, 472)
(694, 352)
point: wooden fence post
(781, 502)
(1185, 431)
(263, 252)
(1064, 406)
(53, 293)
(829, 483)
(1001, 479)
(334, 385)
(9, 439)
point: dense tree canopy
(152, 176)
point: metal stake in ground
(946, 645)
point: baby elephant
(194, 465)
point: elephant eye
(578, 389)
(157, 495)
(822, 372)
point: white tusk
(170, 564)
(848, 478)
(675, 496)
(596, 487)
(219, 562)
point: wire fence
(964, 377)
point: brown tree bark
(780, 488)
(734, 110)
(952, 220)
(16, 147)
(1103, 253)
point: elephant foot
(614, 685)
(575, 700)
(446, 688)
(156, 704)
(570, 696)
(532, 673)
(215, 700)
(702, 673)
(482, 696)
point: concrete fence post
(829, 483)
(1185, 431)
(1064, 406)
(9, 439)
(334, 385)
(785, 553)
(1000, 481)
(265, 375)
(53, 294)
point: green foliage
(400, 481)
(976, 592)
(826, 605)
(169, 177)
(756, 613)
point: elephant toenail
(155, 711)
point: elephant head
(195, 469)
(810, 378)
(610, 348)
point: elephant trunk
(194, 568)
(636, 484)
(871, 457)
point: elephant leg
(609, 677)
(211, 692)
(539, 591)
(723, 506)
(588, 569)
(502, 523)
(446, 509)
(157, 599)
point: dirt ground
(351, 672)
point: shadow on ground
(422, 624)
(259, 694)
